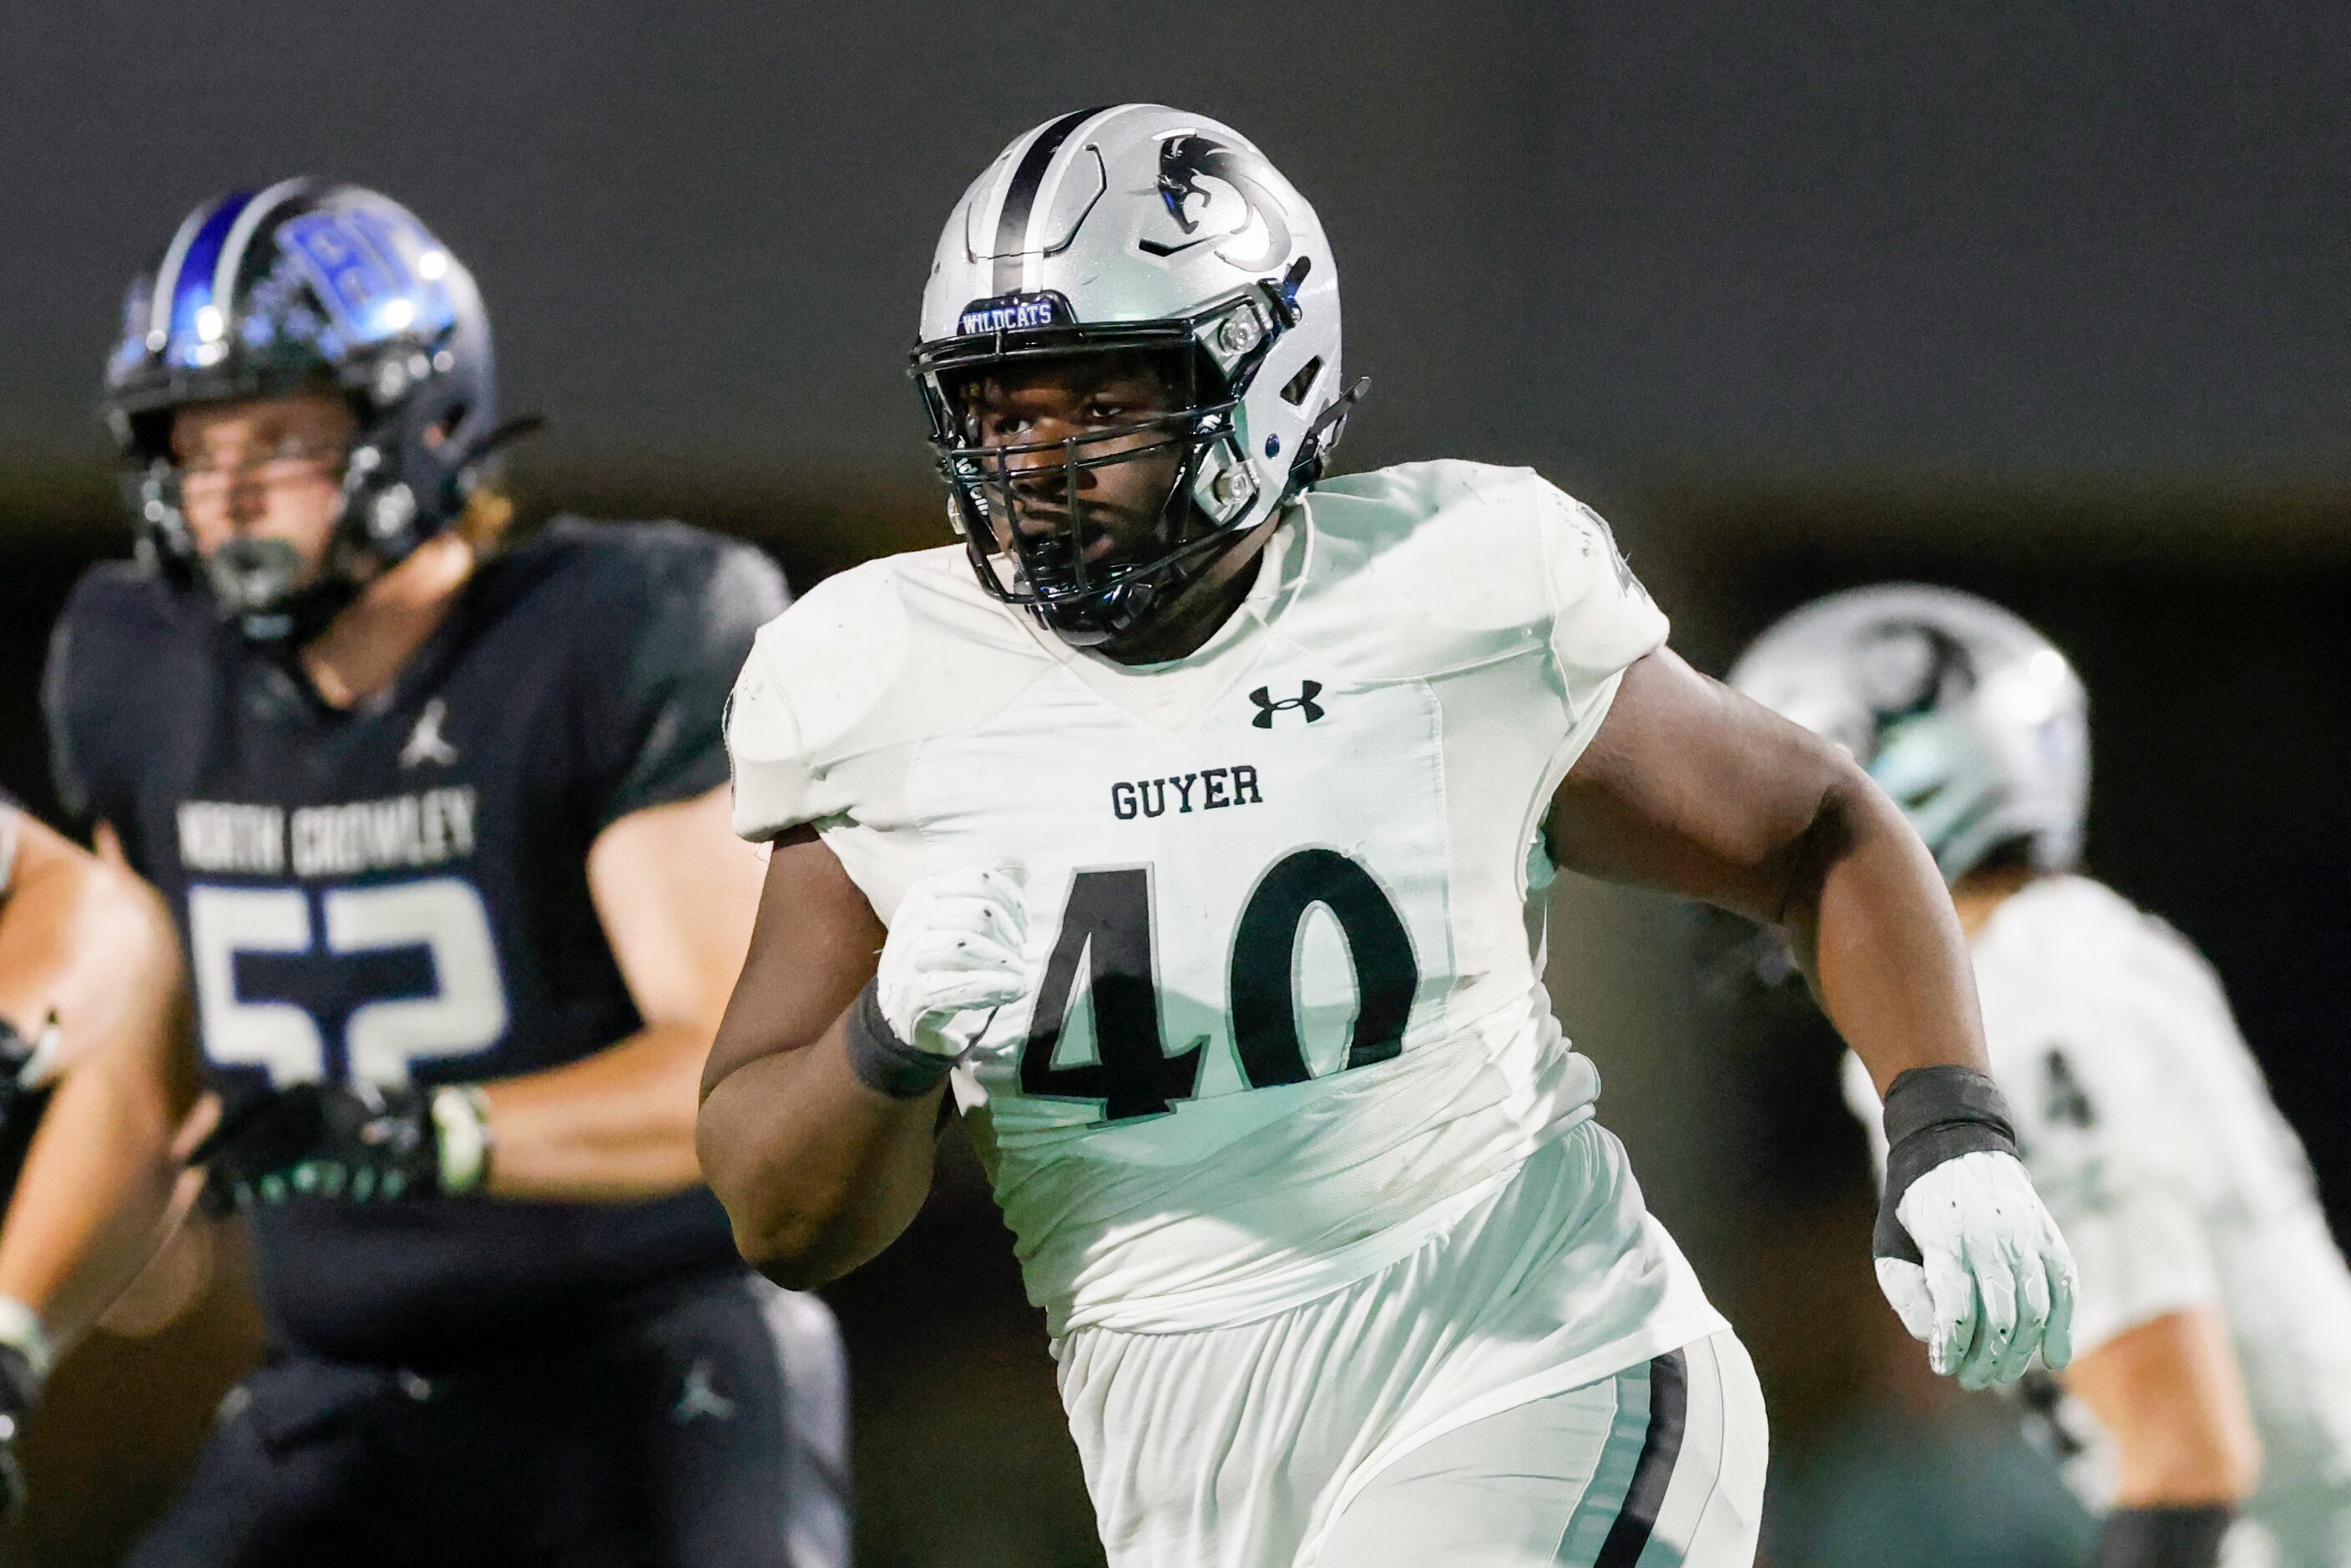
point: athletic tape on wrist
(21, 1329)
(2164, 1537)
(884, 1062)
(1934, 1114)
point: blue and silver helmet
(1972, 721)
(304, 285)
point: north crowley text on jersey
(424, 827)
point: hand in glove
(1965, 1250)
(354, 1143)
(952, 959)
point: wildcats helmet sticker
(1184, 161)
(1014, 313)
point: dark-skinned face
(1122, 504)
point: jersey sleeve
(1601, 619)
(2099, 1139)
(663, 733)
(813, 674)
(91, 687)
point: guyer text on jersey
(1211, 789)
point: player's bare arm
(2171, 1393)
(88, 944)
(674, 889)
(817, 1170)
(89, 979)
(1692, 787)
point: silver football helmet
(1970, 720)
(1133, 229)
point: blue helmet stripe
(192, 289)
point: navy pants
(705, 1426)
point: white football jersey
(2146, 1126)
(1286, 895)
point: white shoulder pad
(1602, 618)
(1473, 562)
(813, 673)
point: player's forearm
(819, 1173)
(93, 945)
(1873, 927)
(73, 934)
(615, 1128)
(89, 1207)
(2169, 1394)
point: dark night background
(2051, 303)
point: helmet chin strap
(1250, 543)
(1123, 610)
(1313, 451)
(497, 439)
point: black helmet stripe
(1020, 194)
(248, 224)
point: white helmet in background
(1133, 228)
(1970, 720)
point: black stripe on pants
(1668, 1413)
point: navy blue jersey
(399, 891)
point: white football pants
(1377, 1426)
(1658, 1466)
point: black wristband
(1933, 1114)
(2164, 1537)
(884, 1062)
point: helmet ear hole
(1294, 389)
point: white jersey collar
(1173, 695)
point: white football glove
(1997, 1281)
(953, 959)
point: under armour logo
(1303, 701)
(426, 742)
(700, 1398)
